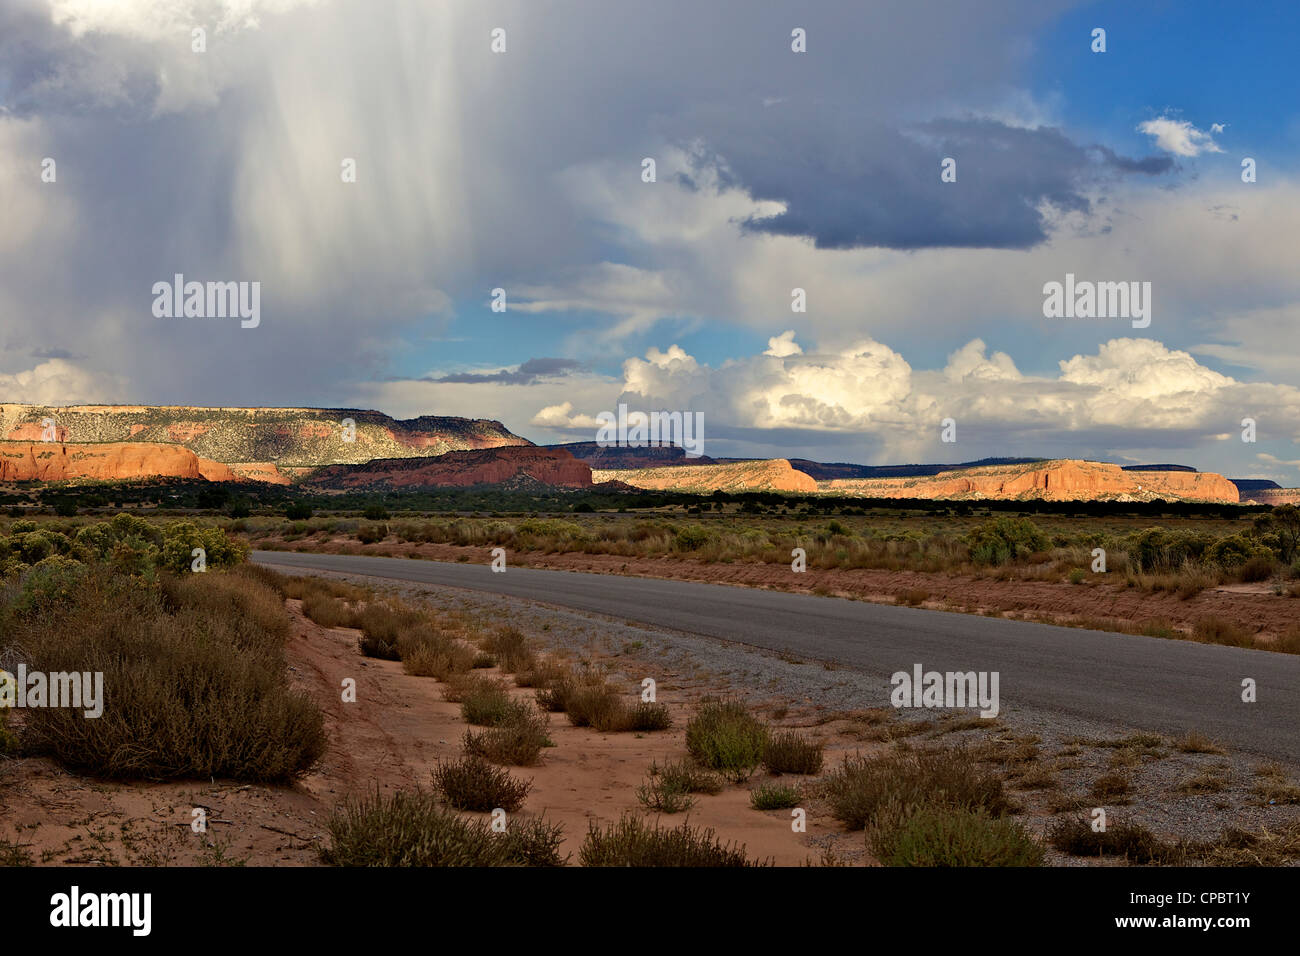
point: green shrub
(662, 796)
(490, 705)
(1231, 551)
(789, 752)
(692, 537)
(183, 537)
(774, 796)
(724, 736)
(952, 836)
(51, 584)
(1005, 539)
(646, 717)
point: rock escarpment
(459, 469)
(773, 474)
(107, 461)
(1063, 480)
(260, 439)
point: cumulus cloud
(779, 346)
(59, 382)
(1180, 137)
(561, 417)
(1128, 391)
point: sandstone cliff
(774, 474)
(459, 469)
(108, 461)
(263, 441)
(1064, 480)
(1272, 496)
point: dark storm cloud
(528, 373)
(849, 182)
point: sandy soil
(400, 725)
(1252, 605)
(390, 738)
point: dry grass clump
(1212, 629)
(543, 674)
(519, 732)
(861, 788)
(413, 829)
(587, 699)
(943, 835)
(631, 842)
(1111, 786)
(471, 783)
(1197, 743)
(486, 702)
(426, 651)
(788, 751)
(1131, 841)
(194, 680)
(383, 626)
(671, 788)
(327, 611)
(510, 649)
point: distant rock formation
(829, 471)
(773, 474)
(1270, 496)
(512, 466)
(617, 457)
(1060, 480)
(105, 461)
(264, 444)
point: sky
(128, 156)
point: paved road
(1144, 682)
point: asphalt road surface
(1142, 682)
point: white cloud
(561, 417)
(1180, 137)
(59, 382)
(163, 20)
(780, 346)
(1133, 390)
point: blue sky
(776, 169)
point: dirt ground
(401, 725)
(389, 738)
(1252, 606)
